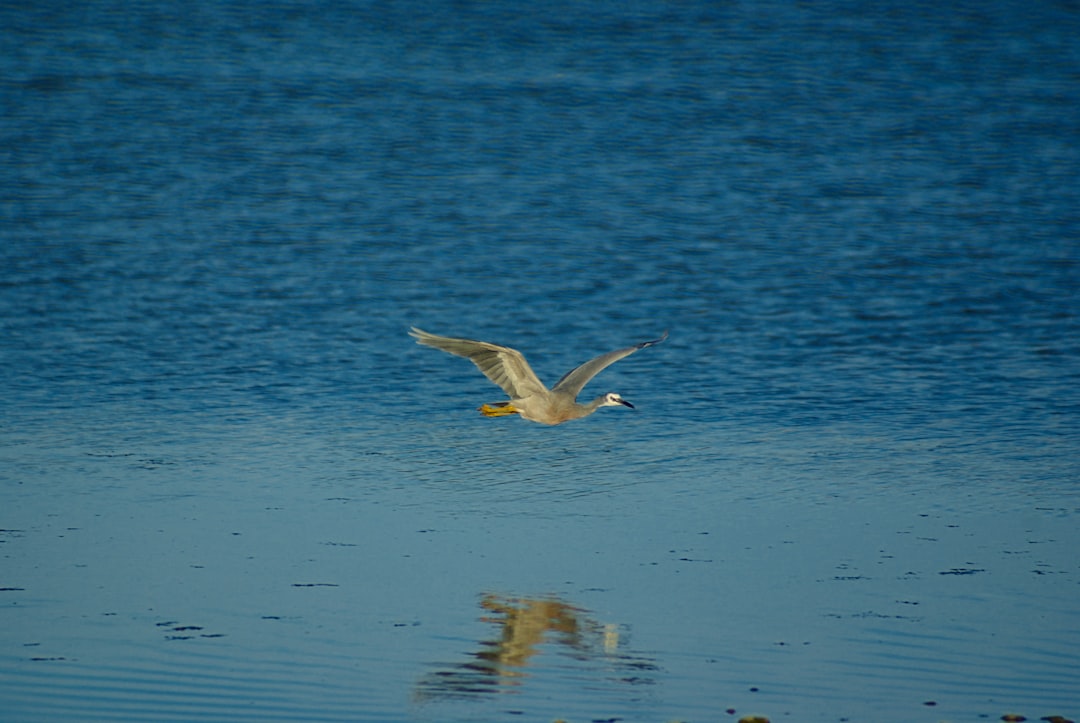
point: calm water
(232, 488)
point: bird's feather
(501, 364)
(575, 380)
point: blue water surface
(233, 488)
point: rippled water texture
(233, 488)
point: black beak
(626, 403)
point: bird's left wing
(501, 364)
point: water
(232, 487)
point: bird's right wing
(577, 378)
(501, 364)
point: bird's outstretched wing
(501, 364)
(576, 379)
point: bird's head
(611, 399)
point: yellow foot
(497, 410)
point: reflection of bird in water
(525, 622)
(525, 625)
(528, 395)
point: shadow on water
(522, 630)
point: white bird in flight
(528, 395)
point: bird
(529, 398)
